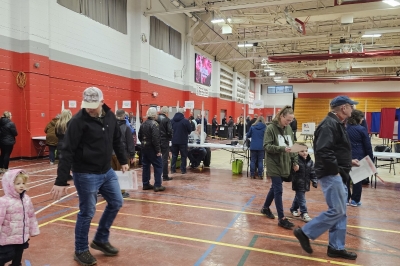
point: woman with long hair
(61, 127)
(256, 133)
(360, 147)
(278, 139)
(8, 132)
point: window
(112, 13)
(165, 38)
(280, 89)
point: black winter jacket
(332, 148)
(127, 139)
(88, 145)
(305, 174)
(8, 131)
(293, 124)
(149, 135)
(165, 127)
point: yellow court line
(242, 212)
(67, 215)
(220, 244)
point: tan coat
(50, 130)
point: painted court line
(252, 213)
(201, 259)
(220, 244)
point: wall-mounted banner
(257, 104)
(251, 97)
(201, 91)
(71, 104)
(189, 104)
(126, 104)
(158, 108)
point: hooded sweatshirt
(276, 139)
(181, 129)
(17, 216)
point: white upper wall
(346, 87)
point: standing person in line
(17, 218)
(293, 125)
(231, 124)
(165, 136)
(360, 147)
(214, 126)
(51, 138)
(278, 139)
(181, 129)
(333, 163)
(127, 142)
(91, 137)
(256, 133)
(301, 184)
(149, 136)
(8, 132)
(60, 128)
(239, 128)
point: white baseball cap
(92, 98)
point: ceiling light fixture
(271, 74)
(391, 2)
(245, 45)
(217, 20)
(268, 70)
(377, 35)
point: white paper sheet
(297, 147)
(127, 180)
(366, 169)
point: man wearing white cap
(91, 137)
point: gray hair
(181, 110)
(152, 112)
(164, 110)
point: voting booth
(308, 128)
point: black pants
(6, 151)
(165, 155)
(16, 260)
(213, 129)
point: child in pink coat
(17, 217)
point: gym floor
(210, 217)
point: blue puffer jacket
(256, 133)
(360, 142)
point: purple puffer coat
(17, 216)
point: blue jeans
(196, 155)
(150, 157)
(87, 186)
(256, 159)
(335, 218)
(275, 193)
(299, 201)
(176, 149)
(52, 153)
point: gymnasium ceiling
(329, 47)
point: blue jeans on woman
(299, 201)
(256, 159)
(87, 186)
(335, 218)
(275, 193)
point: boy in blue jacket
(301, 184)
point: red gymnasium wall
(53, 82)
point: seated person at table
(196, 154)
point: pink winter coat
(17, 216)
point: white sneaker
(306, 218)
(295, 213)
(51, 162)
